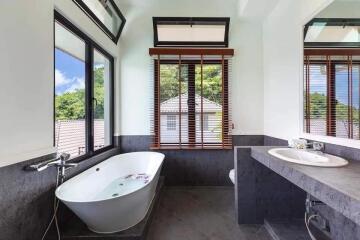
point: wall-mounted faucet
(60, 161)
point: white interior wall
(283, 57)
(136, 81)
(283, 64)
(267, 68)
(341, 9)
(27, 81)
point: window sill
(89, 155)
(333, 140)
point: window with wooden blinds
(191, 107)
(331, 92)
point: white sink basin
(307, 157)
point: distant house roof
(172, 105)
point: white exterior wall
(172, 136)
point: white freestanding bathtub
(115, 194)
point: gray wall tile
(26, 197)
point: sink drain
(115, 195)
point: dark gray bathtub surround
(192, 167)
(261, 193)
(26, 197)
(337, 187)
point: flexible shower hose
(55, 207)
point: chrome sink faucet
(316, 146)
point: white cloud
(60, 78)
(77, 83)
(68, 84)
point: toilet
(232, 175)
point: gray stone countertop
(339, 188)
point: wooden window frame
(225, 142)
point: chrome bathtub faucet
(60, 162)
(63, 165)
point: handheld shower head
(64, 156)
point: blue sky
(69, 73)
(318, 84)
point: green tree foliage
(71, 105)
(169, 84)
(318, 103)
(169, 81)
(212, 83)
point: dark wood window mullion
(350, 124)
(191, 105)
(202, 101)
(307, 94)
(157, 113)
(89, 59)
(351, 98)
(331, 99)
(223, 100)
(180, 110)
(226, 102)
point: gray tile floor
(199, 213)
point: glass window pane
(336, 34)
(106, 13)
(318, 98)
(212, 103)
(356, 100)
(170, 103)
(174, 31)
(191, 33)
(102, 101)
(70, 131)
(342, 100)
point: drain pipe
(309, 204)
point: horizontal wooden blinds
(331, 92)
(191, 98)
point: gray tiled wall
(193, 167)
(26, 198)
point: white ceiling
(134, 3)
(257, 9)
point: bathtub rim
(102, 200)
